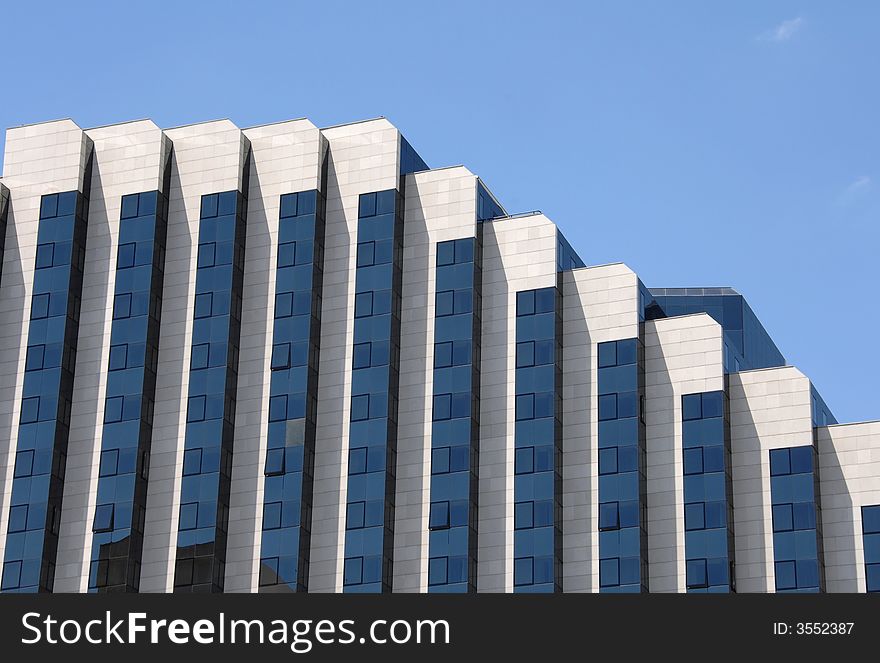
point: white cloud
(859, 184)
(784, 31)
(855, 190)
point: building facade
(286, 358)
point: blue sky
(703, 144)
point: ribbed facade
(286, 358)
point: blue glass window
(537, 443)
(375, 357)
(37, 478)
(208, 444)
(796, 537)
(707, 484)
(623, 536)
(871, 543)
(103, 518)
(455, 408)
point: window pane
(779, 462)
(713, 404)
(607, 407)
(691, 407)
(607, 354)
(445, 253)
(801, 460)
(287, 254)
(525, 354)
(627, 352)
(366, 254)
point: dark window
(437, 571)
(440, 460)
(463, 302)
(544, 300)
(189, 516)
(49, 206)
(523, 571)
(103, 518)
(129, 206)
(443, 354)
(12, 570)
(30, 409)
(24, 463)
(40, 306)
(627, 351)
(607, 354)
(203, 305)
(608, 516)
(195, 409)
(192, 462)
(442, 407)
(694, 516)
(525, 407)
(363, 304)
(357, 460)
(366, 254)
(361, 355)
(786, 577)
(109, 463)
(872, 577)
(608, 461)
(464, 250)
(288, 205)
(122, 306)
(274, 462)
(525, 303)
(461, 405)
(525, 354)
(693, 461)
(696, 574)
(271, 515)
(268, 571)
(45, 255)
(445, 253)
(444, 303)
(207, 255)
(284, 305)
(367, 205)
(801, 460)
(18, 518)
(199, 357)
(544, 352)
(691, 407)
(360, 407)
(352, 573)
(609, 572)
(34, 358)
(355, 515)
(461, 353)
(125, 256)
(871, 519)
(280, 356)
(804, 515)
(287, 254)
(627, 404)
(713, 404)
(209, 206)
(113, 409)
(523, 515)
(607, 407)
(278, 408)
(439, 515)
(118, 357)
